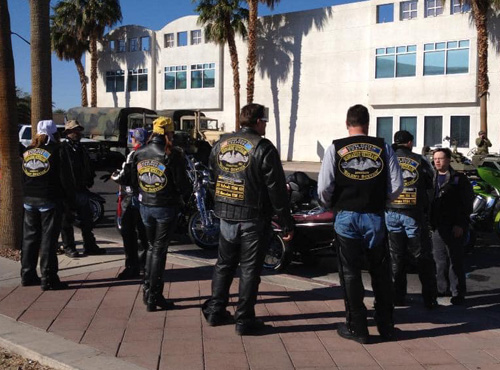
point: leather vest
(414, 190)
(41, 172)
(360, 174)
(154, 172)
(238, 188)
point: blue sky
(152, 14)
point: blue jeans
(366, 226)
(400, 223)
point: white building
(413, 63)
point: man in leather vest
(407, 223)
(250, 188)
(450, 215)
(358, 175)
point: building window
(433, 130)
(182, 38)
(408, 9)
(458, 6)
(112, 45)
(168, 40)
(138, 79)
(398, 61)
(145, 43)
(385, 13)
(409, 124)
(460, 129)
(115, 81)
(121, 46)
(196, 37)
(384, 128)
(433, 8)
(175, 77)
(202, 75)
(446, 58)
(133, 44)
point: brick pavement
(108, 314)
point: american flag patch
(343, 151)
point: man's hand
(288, 236)
(457, 231)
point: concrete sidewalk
(101, 323)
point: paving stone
(270, 360)
(311, 359)
(352, 358)
(474, 357)
(433, 357)
(217, 361)
(182, 362)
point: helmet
(162, 125)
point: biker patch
(360, 161)
(234, 154)
(152, 177)
(226, 187)
(36, 162)
(409, 168)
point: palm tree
(41, 65)
(223, 19)
(10, 166)
(480, 10)
(253, 8)
(94, 17)
(65, 41)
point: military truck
(111, 127)
(194, 132)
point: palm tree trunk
(83, 82)
(252, 48)
(41, 65)
(233, 53)
(480, 12)
(93, 71)
(10, 172)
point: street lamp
(22, 38)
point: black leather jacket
(161, 179)
(250, 182)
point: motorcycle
(197, 218)
(203, 227)
(314, 233)
(486, 207)
(96, 207)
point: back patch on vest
(36, 162)
(234, 154)
(360, 161)
(226, 187)
(410, 177)
(151, 174)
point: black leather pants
(40, 232)
(350, 258)
(135, 242)
(158, 235)
(420, 250)
(84, 213)
(242, 243)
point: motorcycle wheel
(205, 238)
(97, 211)
(278, 255)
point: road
(483, 274)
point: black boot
(52, 282)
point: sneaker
(128, 273)
(457, 300)
(71, 252)
(250, 327)
(94, 251)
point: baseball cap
(140, 134)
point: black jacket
(250, 182)
(453, 201)
(77, 172)
(160, 179)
